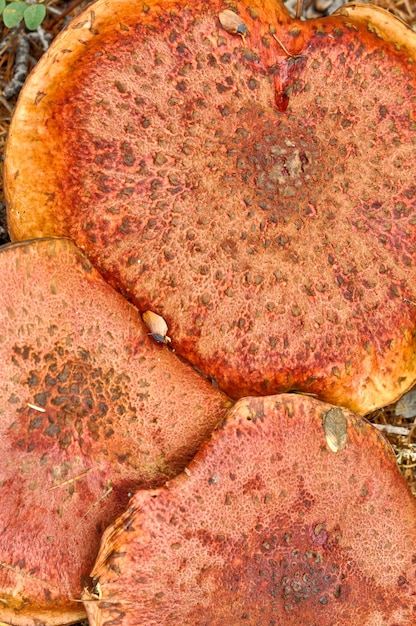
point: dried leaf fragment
(232, 23)
(406, 406)
(157, 326)
(335, 428)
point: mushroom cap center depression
(262, 203)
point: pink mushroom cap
(293, 513)
(91, 408)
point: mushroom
(91, 408)
(268, 526)
(251, 180)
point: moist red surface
(268, 526)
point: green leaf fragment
(33, 15)
(13, 14)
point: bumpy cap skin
(91, 408)
(270, 525)
(251, 183)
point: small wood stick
(97, 502)
(283, 46)
(70, 480)
(21, 68)
(393, 430)
(299, 9)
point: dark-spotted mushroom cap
(246, 176)
(91, 407)
(293, 513)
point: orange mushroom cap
(91, 408)
(269, 525)
(250, 180)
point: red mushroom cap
(269, 525)
(251, 181)
(91, 408)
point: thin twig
(58, 18)
(53, 10)
(299, 9)
(393, 430)
(5, 42)
(21, 572)
(6, 105)
(70, 480)
(21, 68)
(283, 46)
(97, 502)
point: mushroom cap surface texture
(267, 526)
(251, 183)
(91, 408)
